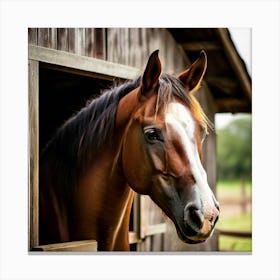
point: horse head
(161, 149)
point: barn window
(60, 84)
(61, 94)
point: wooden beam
(137, 214)
(203, 45)
(74, 246)
(227, 84)
(155, 229)
(83, 63)
(132, 237)
(235, 233)
(33, 89)
(77, 72)
(234, 60)
(233, 105)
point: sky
(243, 42)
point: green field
(235, 244)
(232, 188)
(232, 218)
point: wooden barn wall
(132, 46)
(89, 42)
(128, 46)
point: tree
(234, 149)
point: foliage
(234, 153)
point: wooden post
(243, 195)
(33, 67)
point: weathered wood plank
(53, 38)
(144, 216)
(32, 36)
(47, 37)
(33, 84)
(71, 40)
(151, 218)
(77, 42)
(74, 246)
(132, 46)
(100, 43)
(80, 41)
(136, 214)
(155, 229)
(132, 237)
(113, 51)
(43, 37)
(89, 43)
(62, 39)
(135, 48)
(82, 63)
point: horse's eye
(153, 135)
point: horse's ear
(192, 77)
(151, 74)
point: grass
(234, 244)
(232, 188)
(234, 220)
(241, 222)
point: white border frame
(17, 16)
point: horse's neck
(101, 206)
(103, 199)
(53, 211)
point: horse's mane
(76, 141)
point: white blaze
(179, 118)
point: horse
(142, 136)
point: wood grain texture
(33, 68)
(83, 63)
(74, 246)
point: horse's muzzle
(200, 224)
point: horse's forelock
(171, 87)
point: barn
(69, 65)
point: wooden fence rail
(235, 233)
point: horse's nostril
(193, 217)
(215, 216)
(197, 217)
(216, 219)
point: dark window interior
(61, 95)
